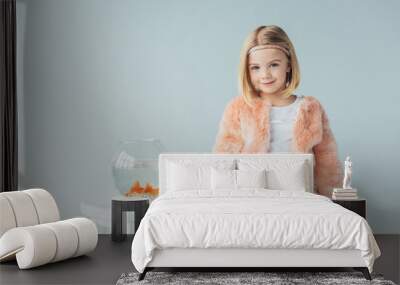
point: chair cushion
(40, 244)
(7, 215)
(27, 208)
(45, 205)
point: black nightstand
(121, 205)
(358, 206)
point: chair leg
(143, 274)
(364, 271)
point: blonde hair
(267, 35)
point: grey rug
(225, 278)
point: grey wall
(93, 73)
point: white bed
(288, 226)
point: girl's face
(268, 70)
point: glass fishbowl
(135, 168)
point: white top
(281, 126)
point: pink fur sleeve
(328, 170)
(229, 137)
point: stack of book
(344, 194)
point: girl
(268, 117)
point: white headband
(259, 47)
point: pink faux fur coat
(245, 129)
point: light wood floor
(111, 259)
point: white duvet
(251, 218)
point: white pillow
(185, 175)
(251, 178)
(223, 179)
(281, 174)
(236, 179)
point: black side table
(120, 205)
(358, 206)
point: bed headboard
(307, 158)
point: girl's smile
(268, 83)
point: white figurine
(347, 174)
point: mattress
(250, 219)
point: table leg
(117, 222)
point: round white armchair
(31, 230)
